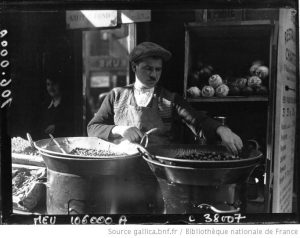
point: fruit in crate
(254, 81)
(247, 91)
(208, 91)
(215, 81)
(261, 90)
(241, 82)
(222, 90)
(255, 66)
(194, 92)
(234, 90)
(205, 72)
(253, 69)
(262, 71)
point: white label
(99, 81)
(91, 18)
(130, 16)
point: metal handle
(215, 210)
(146, 136)
(144, 152)
(30, 140)
(255, 143)
(58, 145)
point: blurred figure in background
(56, 114)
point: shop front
(239, 66)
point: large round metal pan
(166, 154)
(47, 146)
(90, 166)
(200, 176)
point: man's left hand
(231, 140)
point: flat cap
(148, 49)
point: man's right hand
(131, 133)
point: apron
(144, 118)
(144, 185)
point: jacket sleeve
(103, 121)
(196, 120)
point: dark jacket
(60, 116)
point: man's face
(148, 71)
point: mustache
(152, 78)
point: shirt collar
(139, 87)
(54, 103)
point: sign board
(285, 119)
(99, 80)
(108, 63)
(85, 19)
(130, 16)
(91, 19)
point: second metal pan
(166, 154)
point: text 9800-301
(4, 63)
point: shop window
(105, 63)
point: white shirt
(142, 95)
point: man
(129, 112)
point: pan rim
(207, 148)
(80, 157)
(192, 168)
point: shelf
(238, 30)
(230, 99)
(229, 23)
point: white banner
(285, 120)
